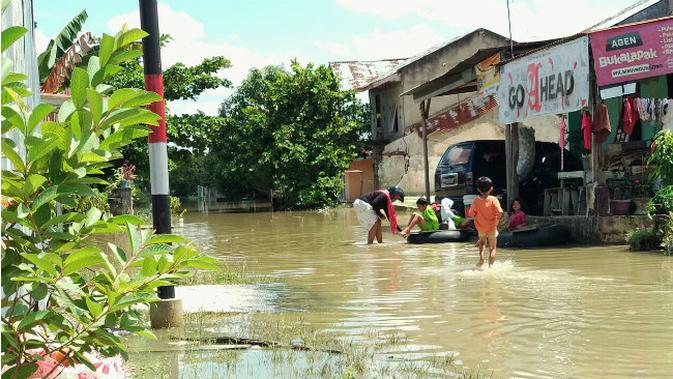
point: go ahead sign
(634, 52)
(550, 81)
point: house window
(377, 111)
(396, 125)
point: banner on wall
(633, 52)
(551, 81)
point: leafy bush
(61, 293)
(662, 156)
(643, 239)
(667, 236)
(662, 202)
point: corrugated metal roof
(357, 74)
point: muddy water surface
(566, 312)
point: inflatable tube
(439, 236)
(551, 235)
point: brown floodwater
(563, 312)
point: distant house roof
(393, 74)
(357, 74)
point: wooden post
(425, 109)
(512, 157)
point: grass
(226, 276)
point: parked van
(463, 163)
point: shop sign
(551, 81)
(487, 75)
(633, 52)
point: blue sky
(256, 33)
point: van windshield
(458, 155)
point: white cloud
(531, 19)
(380, 44)
(191, 44)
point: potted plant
(642, 192)
(621, 199)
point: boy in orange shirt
(486, 212)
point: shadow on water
(399, 310)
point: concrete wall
(402, 159)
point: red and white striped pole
(154, 81)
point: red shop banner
(629, 53)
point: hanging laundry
(601, 127)
(630, 115)
(586, 128)
(667, 114)
(562, 138)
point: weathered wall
(389, 97)
(402, 160)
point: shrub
(643, 239)
(662, 202)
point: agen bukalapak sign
(550, 81)
(633, 52)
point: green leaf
(11, 35)
(167, 238)
(105, 73)
(130, 36)
(147, 334)
(95, 105)
(123, 137)
(79, 81)
(33, 182)
(55, 259)
(45, 197)
(27, 370)
(142, 99)
(85, 257)
(134, 237)
(182, 253)
(33, 318)
(22, 211)
(157, 248)
(118, 253)
(66, 109)
(105, 50)
(13, 157)
(43, 148)
(39, 291)
(15, 118)
(62, 219)
(120, 96)
(40, 263)
(38, 114)
(163, 265)
(14, 77)
(125, 56)
(92, 217)
(95, 308)
(127, 219)
(92, 67)
(149, 266)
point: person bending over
(374, 206)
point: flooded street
(566, 312)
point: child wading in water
(426, 220)
(486, 212)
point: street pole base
(166, 313)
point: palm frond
(60, 72)
(60, 44)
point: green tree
(291, 131)
(193, 132)
(61, 293)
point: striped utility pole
(154, 81)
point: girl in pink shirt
(517, 219)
